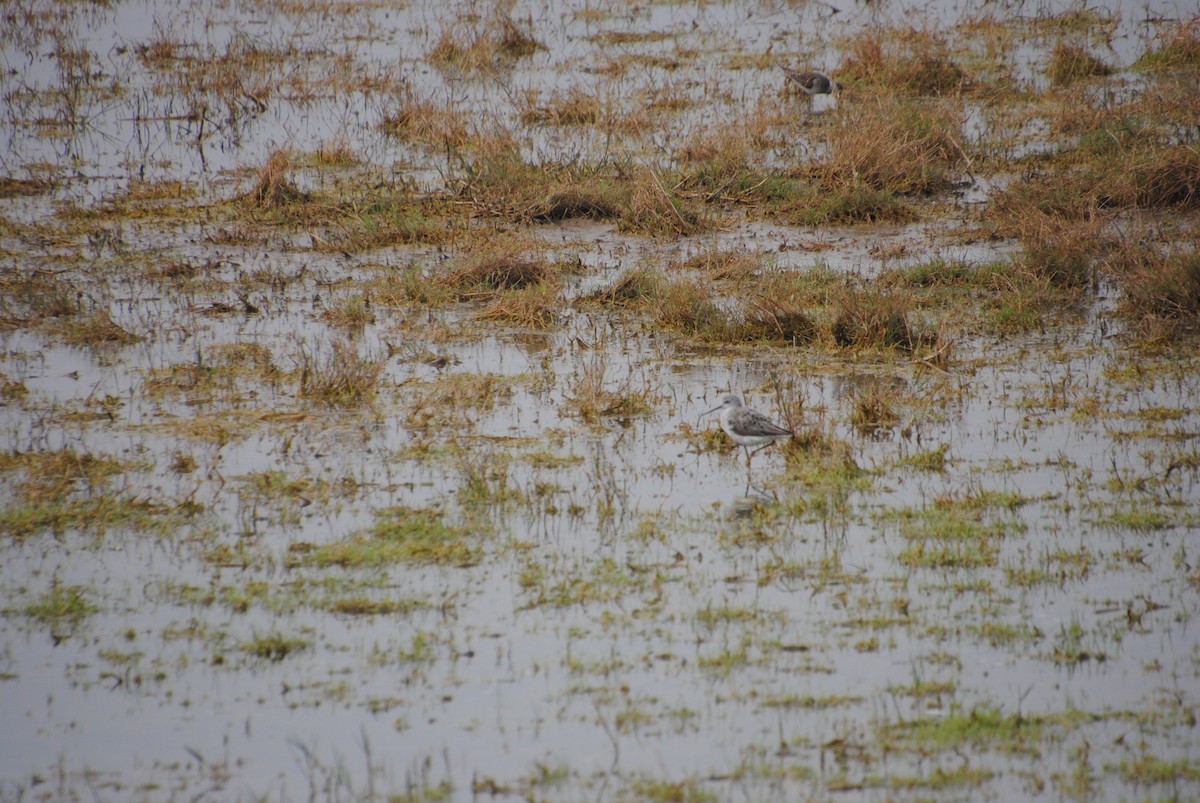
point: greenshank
(747, 427)
(811, 82)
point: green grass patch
(982, 728)
(941, 779)
(846, 203)
(1148, 769)
(97, 514)
(274, 646)
(1177, 47)
(59, 603)
(928, 460)
(961, 522)
(1137, 518)
(400, 535)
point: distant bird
(811, 82)
(747, 427)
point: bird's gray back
(813, 83)
(752, 424)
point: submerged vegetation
(354, 366)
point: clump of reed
(593, 395)
(339, 377)
(417, 119)
(495, 266)
(1177, 47)
(633, 288)
(906, 62)
(597, 200)
(97, 329)
(573, 107)
(656, 210)
(874, 410)
(538, 306)
(872, 318)
(1071, 63)
(479, 44)
(1160, 288)
(273, 188)
(896, 146)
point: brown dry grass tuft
(874, 410)
(538, 306)
(415, 119)
(1071, 63)
(903, 147)
(635, 287)
(907, 62)
(341, 378)
(273, 189)
(1161, 290)
(722, 266)
(574, 107)
(655, 210)
(1155, 177)
(97, 329)
(1061, 251)
(499, 265)
(598, 201)
(1177, 48)
(872, 319)
(479, 45)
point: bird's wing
(806, 80)
(755, 423)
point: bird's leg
(759, 449)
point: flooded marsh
(354, 357)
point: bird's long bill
(706, 412)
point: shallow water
(625, 621)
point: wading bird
(747, 427)
(811, 82)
